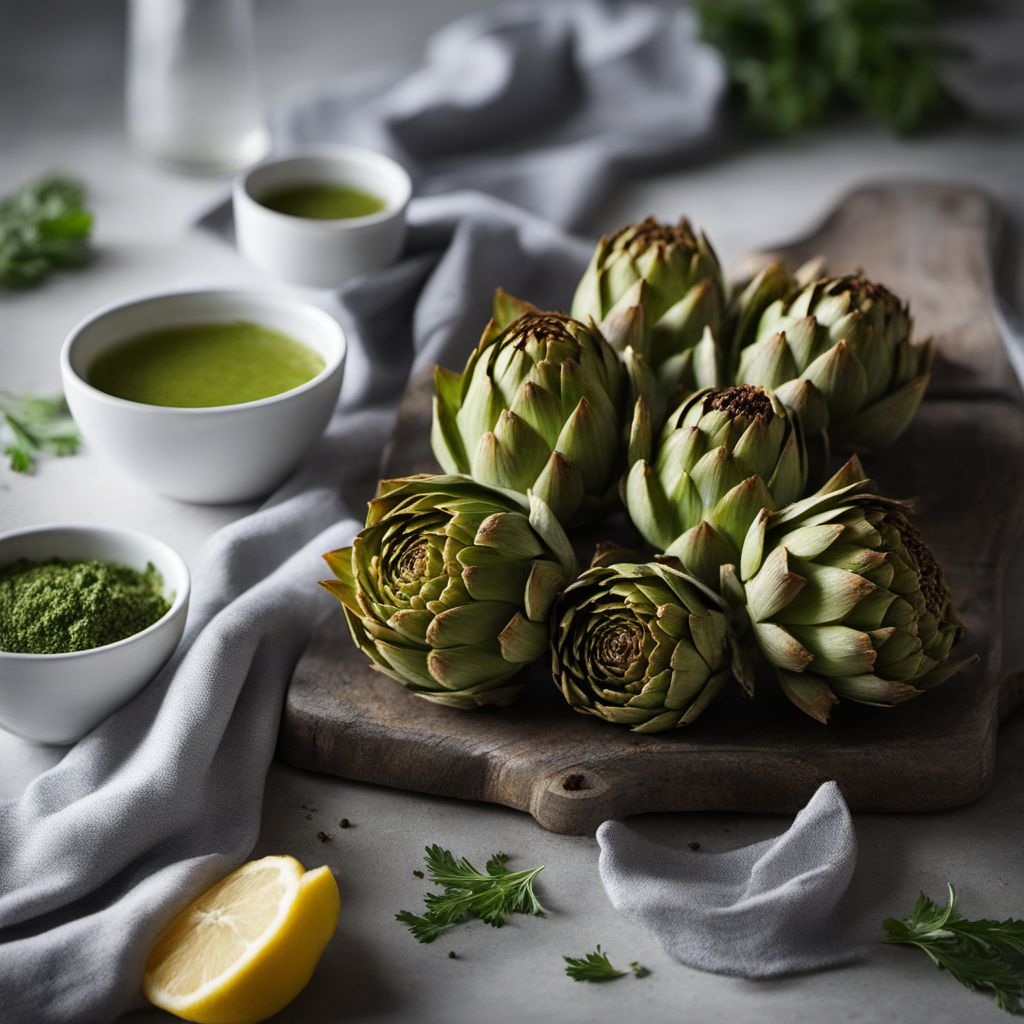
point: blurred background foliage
(796, 63)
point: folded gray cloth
(164, 797)
(756, 912)
(544, 104)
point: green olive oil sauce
(201, 365)
(323, 202)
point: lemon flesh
(247, 947)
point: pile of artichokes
(709, 414)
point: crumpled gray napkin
(544, 104)
(755, 912)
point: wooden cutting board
(963, 459)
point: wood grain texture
(935, 245)
(963, 460)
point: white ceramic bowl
(58, 698)
(322, 253)
(218, 453)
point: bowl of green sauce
(88, 615)
(323, 215)
(205, 396)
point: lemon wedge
(247, 947)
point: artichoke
(448, 587)
(641, 645)
(842, 345)
(541, 406)
(846, 601)
(658, 288)
(723, 455)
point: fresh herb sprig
(43, 226)
(982, 955)
(491, 895)
(597, 967)
(795, 61)
(35, 424)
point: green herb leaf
(19, 459)
(491, 896)
(43, 226)
(422, 928)
(981, 955)
(593, 967)
(36, 424)
(795, 61)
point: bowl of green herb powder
(88, 615)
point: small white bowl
(212, 454)
(58, 698)
(322, 253)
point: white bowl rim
(330, 366)
(343, 156)
(180, 598)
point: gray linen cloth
(545, 104)
(755, 912)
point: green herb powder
(56, 607)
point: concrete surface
(60, 107)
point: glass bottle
(192, 99)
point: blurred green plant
(794, 61)
(43, 226)
(34, 424)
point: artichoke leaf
(462, 668)
(649, 508)
(509, 533)
(781, 648)
(469, 624)
(774, 587)
(522, 642)
(810, 693)
(877, 426)
(838, 650)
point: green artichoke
(541, 406)
(723, 455)
(849, 338)
(846, 601)
(641, 645)
(658, 288)
(449, 586)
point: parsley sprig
(34, 424)
(982, 955)
(597, 967)
(491, 895)
(793, 62)
(43, 226)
